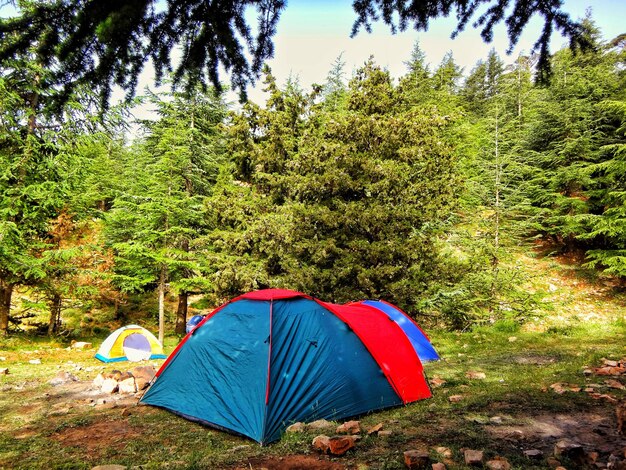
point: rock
(141, 383)
(143, 376)
(436, 382)
(114, 374)
(439, 466)
(127, 385)
(473, 457)
(512, 339)
(126, 412)
(35, 361)
(339, 445)
(610, 370)
(296, 427)
(98, 381)
(455, 398)
(499, 463)
(616, 384)
(375, 429)
(561, 388)
(475, 375)
(109, 386)
(320, 424)
(384, 433)
(610, 363)
(444, 452)
(603, 396)
(416, 459)
(81, 345)
(533, 454)
(321, 443)
(571, 450)
(124, 376)
(4, 371)
(496, 420)
(109, 467)
(349, 427)
(63, 377)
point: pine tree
(155, 225)
(349, 200)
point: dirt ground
(594, 430)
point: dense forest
(412, 190)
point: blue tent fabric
(256, 365)
(221, 371)
(320, 369)
(424, 349)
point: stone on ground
(571, 450)
(498, 463)
(473, 457)
(109, 386)
(439, 466)
(444, 452)
(533, 454)
(375, 429)
(321, 443)
(349, 427)
(81, 345)
(98, 380)
(127, 385)
(339, 445)
(416, 459)
(296, 427)
(320, 424)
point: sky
(312, 34)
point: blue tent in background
(419, 339)
(193, 322)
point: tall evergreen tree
(357, 194)
(155, 223)
(575, 126)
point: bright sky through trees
(311, 35)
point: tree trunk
(6, 291)
(181, 313)
(55, 314)
(162, 305)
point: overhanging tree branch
(106, 43)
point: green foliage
(349, 199)
(157, 221)
(575, 155)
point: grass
(40, 427)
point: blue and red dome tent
(273, 357)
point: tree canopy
(106, 44)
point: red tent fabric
(389, 346)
